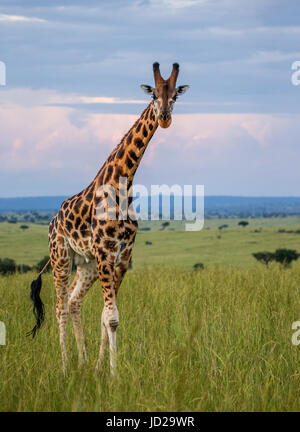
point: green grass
(217, 340)
(214, 340)
(178, 249)
(25, 247)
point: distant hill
(46, 203)
(252, 206)
(215, 206)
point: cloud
(235, 59)
(218, 32)
(44, 151)
(75, 99)
(273, 56)
(29, 97)
(20, 18)
(87, 48)
(177, 4)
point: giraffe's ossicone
(102, 247)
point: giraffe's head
(165, 94)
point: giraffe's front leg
(110, 315)
(109, 324)
(119, 273)
(111, 321)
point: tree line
(9, 266)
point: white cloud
(28, 97)
(273, 56)
(20, 18)
(43, 151)
(177, 4)
(76, 99)
(239, 31)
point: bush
(286, 256)
(283, 256)
(198, 266)
(264, 257)
(7, 266)
(243, 223)
(41, 264)
(24, 227)
(23, 268)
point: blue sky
(73, 75)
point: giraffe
(101, 247)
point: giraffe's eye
(154, 97)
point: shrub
(23, 268)
(283, 256)
(7, 266)
(24, 227)
(286, 256)
(243, 223)
(41, 264)
(198, 266)
(264, 257)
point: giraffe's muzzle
(165, 120)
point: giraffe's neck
(125, 158)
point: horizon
(205, 196)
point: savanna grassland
(214, 340)
(173, 247)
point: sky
(73, 75)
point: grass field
(214, 340)
(176, 248)
(218, 340)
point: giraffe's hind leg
(103, 343)
(85, 277)
(61, 261)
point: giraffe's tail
(38, 306)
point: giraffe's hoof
(113, 324)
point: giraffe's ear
(147, 89)
(181, 89)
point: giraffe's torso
(77, 222)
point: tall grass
(217, 340)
